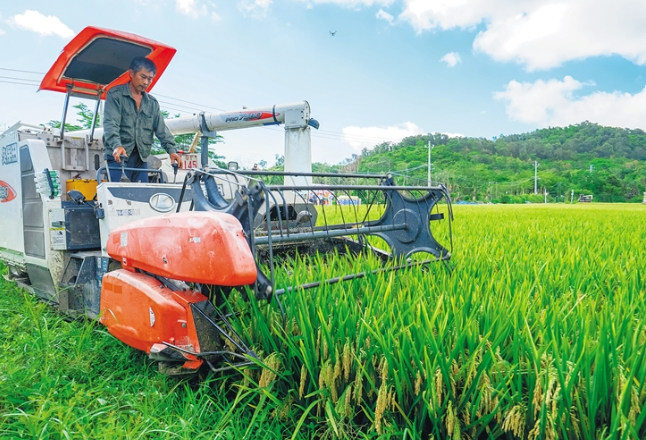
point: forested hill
(609, 163)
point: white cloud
(351, 3)
(42, 24)
(190, 8)
(451, 59)
(368, 137)
(540, 33)
(254, 8)
(548, 103)
(383, 15)
(445, 14)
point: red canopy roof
(98, 59)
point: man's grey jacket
(124, 126)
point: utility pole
(572, 196)
(545, 189)
(430, 147)
(535, 177)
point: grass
(64, 380)
(538, 333)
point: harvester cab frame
(152, 260)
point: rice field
(537, 332)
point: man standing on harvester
(130, 118)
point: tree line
(586, 158)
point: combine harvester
(150, 260)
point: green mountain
(586, 158)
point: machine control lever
(124, 178)
(175, 168)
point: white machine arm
(297, 120)
(296, 115)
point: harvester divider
(230, 366)
(207, 353)
(238, 343)
(229, 333)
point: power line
(22, 71)
(321, 134)
(174, 108)
(20, 79)
(19, 83)
(186, 108)
(189, 102)
(324, 134)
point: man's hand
(118, 152)
(174, 157)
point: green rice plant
(537, 333)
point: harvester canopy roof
(98, 59)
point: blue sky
(394, 68)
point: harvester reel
(415, 216)
(289, 220)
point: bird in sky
(333, 33)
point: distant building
(348, 200)
(585, 198)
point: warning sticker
(57, 237)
